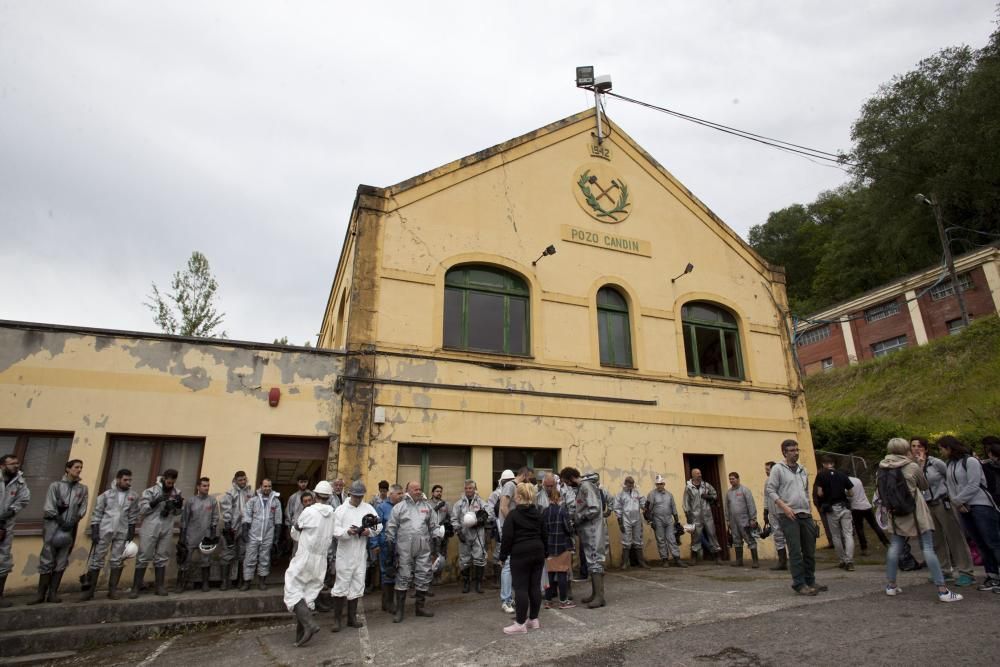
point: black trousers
(526, 576)
(860, 516)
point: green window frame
(540, 460)
(613, 328)
(486, 309)
(711, 341)
(437, 464)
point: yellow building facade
(471, 351)
(530, 304)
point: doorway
(711, 471)
(283, 459)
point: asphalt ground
(705, 615)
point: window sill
(718, 377)
(616, 367)
(487, 353)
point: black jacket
(524, 534)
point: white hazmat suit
(304, 577)
(352, 550)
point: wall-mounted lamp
(551, 250)
(687, 269)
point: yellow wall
(97, 386)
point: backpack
(991, 478)
(894, 493)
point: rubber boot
(641, 558)
(593, 592)
(43, 588)
(626, 557)
(206, 573)
(352, 614)
(261, 582)
(466, 580)
(598, 599)
(4, 603)
(113, 578)
(782, 563)
(718, 557)
(696, 557)
(400, 606)
(88, 594)
(245, 581)
(305, 622)
(140, 573)
(54, 587)
(227, 573)
(421, 601)
(182, 577)
(324, 603)
(677, 562)
(477, 578)
(739, 557)
(753, 555)
(160, 577)
(338, 613)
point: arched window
(613, 328)
(711, 341)
(485, 309)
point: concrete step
(25, 643)
(69, 614)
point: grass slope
(949, 385)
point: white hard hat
(507, 474)
(131, 550)
(660, 479)
(438, 532)
(469, 519)
(324, 488)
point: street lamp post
(939, 219)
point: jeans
(842, 531)
(528, 597)
(506, 582)
(860, 516)
(800, 539)
(930, 558)
(982, 524)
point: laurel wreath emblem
(585, 182)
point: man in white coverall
(313, 531)
(352, 553)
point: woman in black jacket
(524, 542)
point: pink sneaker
(516, 628)
(533, 624)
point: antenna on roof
(599, 84)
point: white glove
(439, 532)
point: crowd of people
(533, 531)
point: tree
(189, 308)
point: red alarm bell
(273, 397)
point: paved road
(703, 616)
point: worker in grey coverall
(698, 498)
(471, 541)
(412, 524)
(629, 505)
(14, 497)
(65, 505)
(199, 519)
(233, 503)
(159, 508)
(741, 517)
(112, 526)
(587, 515)
(771, 516)
(261, 527)
(662, 511)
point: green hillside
(949, 385)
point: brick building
(911, 311)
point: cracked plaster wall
(96, 386)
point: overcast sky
(132, 133)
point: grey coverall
(773, 515)
(472, 541)
(115, 511)
(14, 497)
(157, 532)
(65, 502)
(492, 503)
(410, 527)
(662, 510)
(698, 511)
(740, 511)
(233, 503)
(199, 519)
(261, 518)
(440, 545)
(628, 507)
(293, 507)
(588, 517)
